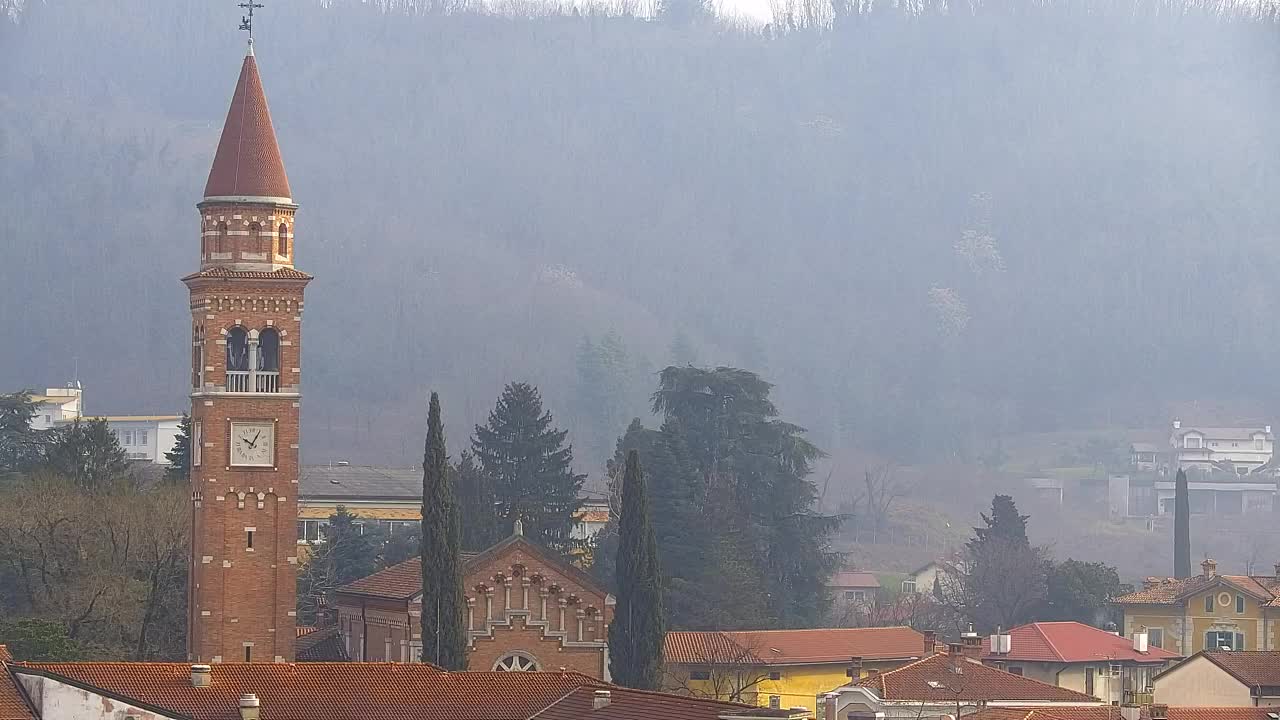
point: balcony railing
(237, 381)
(266, 381)
(258, 381)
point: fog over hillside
(930, 229)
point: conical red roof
(248, 162)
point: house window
(1258, 444)
(1208, 603)
(1219, 640)
(196, 436)
(126, 437)
(699, 674)
(516, 662)
(908, 586)
(775, 675)
(1239, 604)
(1191, 442)
(775, 702)
(1155, 637)
(141, 437)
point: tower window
(248, 539)
(269, 350)
(237, 349)
(248, 653)
(255, 239)
(282, 240)
(220, 242)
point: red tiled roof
(1168, 591)
(628, 704)
(403, 581)
(849, 579)
(248, 162)
(1251, 667)
(935, 679)
(323, 645)
(5, 656)
(792, 647)
(13, 705)
(1071, 642)
(221, 271)
(334, 691)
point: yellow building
(784, 668)
(1206, 611)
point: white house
(143, 437)
(1236, 449)
(56, 405)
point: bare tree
(732, 666)
(1000, 583)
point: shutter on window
(1239, 641)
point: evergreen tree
(443, 634)
(1004, 523)
(477, 503)
(638, 627)
(89, 454)
(179, 457)
(345, 554)
(1181, 527)
(20, 445)
(756, 469)
(530, 465)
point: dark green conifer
(443, 635)
(638, 627)
(1181, 527)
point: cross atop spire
(246, 21)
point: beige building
(1225, 679)
(1206, 611)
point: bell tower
(246, 332)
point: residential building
(1223, 678)
(526, 610)
(144, 437)
(1081, 658)
(333, 691)
(850, 586)
(1145, 456)
(946, 685)
(1240, 450)
(246, 306)
(56, 405)
(390, 498)
(1219, 494)
(784, 668)
(1205, 611)
(1127, 712)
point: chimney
(1210, 567)
(1130, 712)
(955, 649)
(972, 647)
(1152, 581)
(854, 671)
(599, 700)
(201, 675)
(829, 703)
(1177, 424)
(249, 707)
(1159, 712)
(1001, 642)
(1266, 429)
(931, 640)
(1276, 568)
(1140, 640)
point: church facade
(246, 329)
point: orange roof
(628, 704)
(404, 581)
(248, 161)
(792, 647)
(13, 704)
(1169, 591)
(5, 655)
(935, 679)
(221, 271)
(1071, 642)
(1251, 667)
(334, 691)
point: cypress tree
(443, 636)
(179, 457)
(637, 630)
(1181, 527)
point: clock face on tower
(253, 444)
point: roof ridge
(797, 630)
(1052, 646)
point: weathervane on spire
(246, 21)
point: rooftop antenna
(246, 21)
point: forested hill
(928, 228)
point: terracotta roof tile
(334, 691)
(221, 271)
(1071, 642)
(935, 679)
(1111, 712)
(13, 704)
(248, 162)
(5, 655)
(322, 645)
(784, 647)
(1168, 591)
(1251, 667)
(628, 704)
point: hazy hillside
(928, 229)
